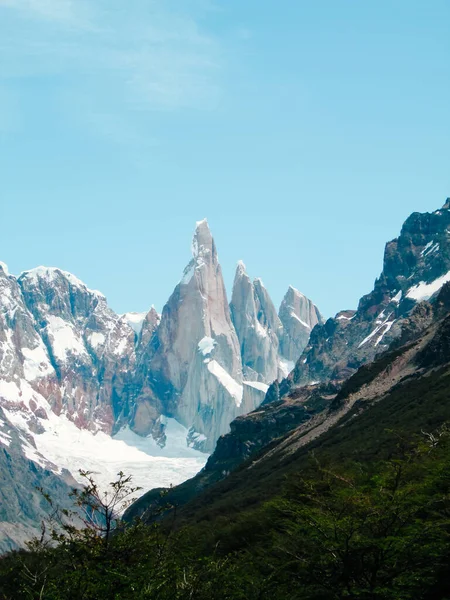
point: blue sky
(306, 132)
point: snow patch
(135, 320)
(51, 273)
(65, 339)
(97, 339)
(206, 345)
(387, 327)
(286, 366)
(71, 448)
(258, 385)
(4, 266)
(386, 322)
(300, 320)
(260, 330)
(430, 248)
(397, 297)
(36, 363)
(235, 389)
(121, 346)
(5, 439)
(424, 291)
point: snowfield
(150, 466)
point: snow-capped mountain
(207, 362)
(84, 387)
(416, 266)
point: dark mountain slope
(405, 390)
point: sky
(306, 132)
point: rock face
(86, 351)
(416, 266)
(195, 367)
(298, 316)
(257, 325)
(406, 385)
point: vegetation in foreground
(378, 530)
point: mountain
(257, 325)
(84, 387)
(409, 305)
(416, 266)
(298, 316)
(195, 368)
(403, 390)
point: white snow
(397, 297)
(197, 437)
(387, 326)
(97, 339)
(424, 291)
(64, 338)
(4, 266)
(206, 345)
(72, 448)
(258, 385)
(430, 248)
(121, 346)
(66, 446)
(10, 391)
(235, 389)
(386, 322)
(427, 247)
(300, 320)
(36, 363)
(286, 366)
(199, 224)
(135, 320)
(260, 330)
(296, 292)
(51, 273)
(5, 439)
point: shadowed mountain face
(416, 266)
(403, 390)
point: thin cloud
(123, 57)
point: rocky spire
(196, 369)
(256, 322)
(298, 315)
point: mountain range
(81, 386)
(147, 387)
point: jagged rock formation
(195, 364)
(251, 462)
(298, 316)
(22, 506)
(66, 351)
(416, 266)
(257, 325)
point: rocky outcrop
(89, 347)
(298, 316)
(22, 472)
(406, 385)
(257, 324)
(416, 266)
(196, 368)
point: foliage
(377, 529)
